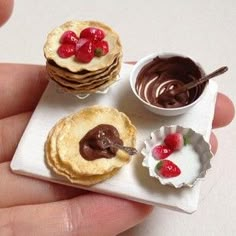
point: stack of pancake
(83, 78)
(62, 147)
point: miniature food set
(109, 142)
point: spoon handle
(195, 83)
(130, 150)
(215, 73)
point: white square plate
(132, 181)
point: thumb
(89, 214)
(6, 7)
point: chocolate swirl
(162, 74)
(92, 145)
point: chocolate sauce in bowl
(162, 74)
(93, 146)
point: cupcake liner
(193, 159)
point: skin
(33, 207)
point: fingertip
(6, 10)
(224, 111)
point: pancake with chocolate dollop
(75, 149)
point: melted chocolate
(93, 146)
(163, 74)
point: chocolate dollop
(168, 73)
(94, 144)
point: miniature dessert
(77, 149)
(164, 74)
(177, 156)
(83, 56)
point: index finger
(89, 214)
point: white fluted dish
(193, 159)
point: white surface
(204, 30)
(132, 181)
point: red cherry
(92, 33)
(84, 50)
(101, 48)
(69, 37)
(66, 50)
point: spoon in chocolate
(169, 96)
(107, 143)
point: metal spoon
(107, 143)
(169, 95)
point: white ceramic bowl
(160, 110)
(193, 159)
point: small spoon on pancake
(107, 143)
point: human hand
(33, 207)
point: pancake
(62, 151)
